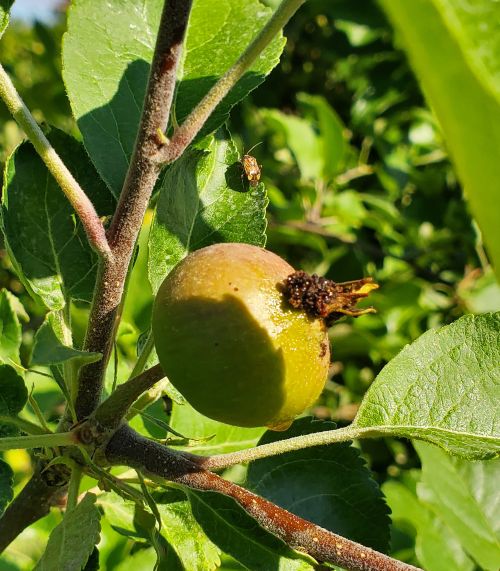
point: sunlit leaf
(49, 347)
(465, 495)
(10, 328)
(203, 200)
(106, 68)
(454, 46)
(444, 388)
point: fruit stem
(110, 413)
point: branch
(346, 434)
(139, 183)
(129, 448)
(196, 119)
(110, 413)
(45, 489)
(73, 191)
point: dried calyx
(326, 299)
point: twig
(134, 198)
(354, 173)
(73, 191)
(110, 413)
(129, 448)
(325, 546)
(196, 119)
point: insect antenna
(252, 148)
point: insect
(251, 167)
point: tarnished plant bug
(251, 167)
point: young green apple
(230, 342)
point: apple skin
(230, 343)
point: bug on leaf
(251, 167)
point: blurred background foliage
(359, 183)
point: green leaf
(236, 533)
(182, 531)
(436, 546)
(443, 388)
(106, 68)
(331, 129)
(10, 328)
(328, 485)
(301, 138)
(44, 237)
(71, 543)
(192, 549)
(465, 495)
(146, 525)
(454, 50)
(203, 201)
(215, 437)
(142, 559)
(5, 6)
(6, 483)
(13, 397)
(119, 513)
(93, 561)
(49, 347)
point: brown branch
(129, 448)
(138, 186)
(43, 490)
(110, 413)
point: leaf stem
(64, 317)
(74, 487)
(38, 413)
(196, 119)
(220, 461)
(24, 425)
(73, 191)
(143, 355)
(38, 441)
